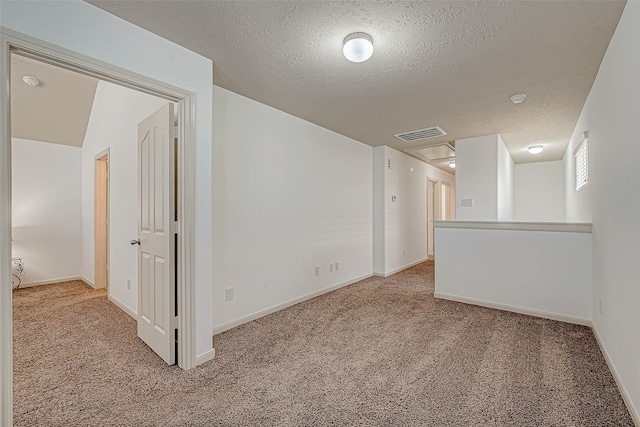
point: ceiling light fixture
(517, 99)
(452, 164)
(536, 149)
(31, 81)
(358, 47)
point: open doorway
(101, 220)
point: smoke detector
(31, 81)
(518, 99)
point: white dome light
(452, 164)
(536, 149)
(358, 47)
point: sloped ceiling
(451, 64)
(55, 111)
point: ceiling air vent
(416, 135)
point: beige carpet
(382, 352)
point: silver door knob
(135, 242)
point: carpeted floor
(382, 352)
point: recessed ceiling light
(517, 99)
(452, 164)
(536, 149)
(31, 81)
(358, 47)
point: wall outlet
(394, 198)
(600, 305)
(128, 284)
(317, 271)
(337, 266)
(330, 268)
(466, 203)
(228, 294)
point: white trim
(398, 270)
(567, 227)
(205, 357)
(515, 309)
(635, 415)
(6, 297)
(122, 306)
(278, 307)
(54, 281)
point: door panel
(156, 295)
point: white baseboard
(122, 306)
(205, 357)
(515, 309)
(278, 307)
(88, 282)
(53, 281)
(398, 270)
(623, 391)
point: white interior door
(156, 266)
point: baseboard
(515, 309)
(122, 306)
(205, 357)
(278, 307)
(398, 270)
(53, 281)
(623, 391)
(88, 282)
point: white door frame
(28, 46)
(436, 206)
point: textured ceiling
(57, 110)
(449, 64)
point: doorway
(101, 221)
(14, 42)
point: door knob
(135, 242)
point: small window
(582, 162)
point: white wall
(379, 197)
(485, 174)
(83, 28)
(113, 124)
(544, 273)
(610, 115)
(288, 196)
(404, 231)
(506, 183)
(46, 198)
(476, 178)
(539, 189)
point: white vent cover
(416, 135)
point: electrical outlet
(466, 203)
(129, 284)
(337, 266)
(317, 271)
(228, 294)
(330, 268)
(600, 305)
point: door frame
(13, 41)
(437, 208)
(103, 156)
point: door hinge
(174, 227)
(174, 323)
